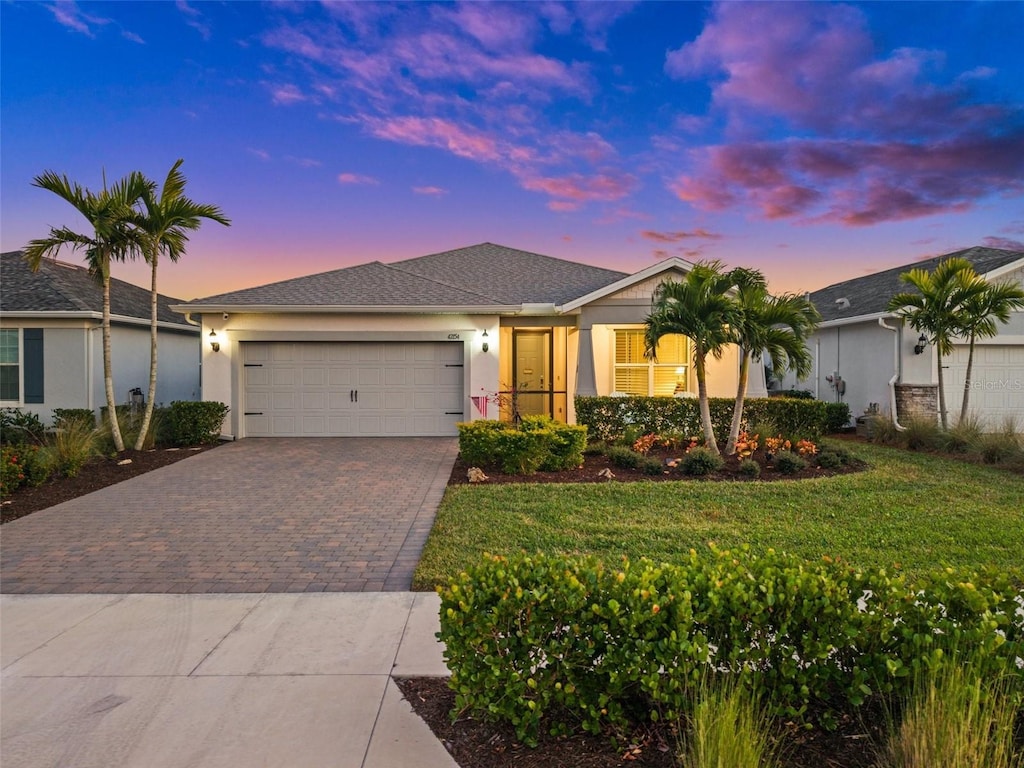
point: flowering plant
(746, 445)
(775, 444)
(806, 448)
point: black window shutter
(32, 345)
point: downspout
(817, 369)
(895, 373)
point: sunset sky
(816, 142)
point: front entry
(531, 354)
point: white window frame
(650, 365)
(20, 365)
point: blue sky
(814, 141)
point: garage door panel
(997, 382)
(307, 388)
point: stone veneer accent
(917, 399)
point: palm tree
(937, 308)
(978, 321)
(109, 213)
(699, 307)
(778, 324)
(163, 225)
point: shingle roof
(478, 276)
(61, 287)
(870, 294)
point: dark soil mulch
(477, 743)
(593, 464)
(98, 473)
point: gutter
(454, 309)
(895, 374)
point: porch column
(586, 383)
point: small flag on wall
(480, 401)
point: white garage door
(997, 390)
(345, 389)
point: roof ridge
(64, 288)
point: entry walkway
(258, 515)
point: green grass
(915, 510)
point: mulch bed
(594, 464)
(98, 473)
(475, 743)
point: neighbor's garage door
(997, 392)
(342, 389)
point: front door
(531, 372)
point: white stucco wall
(222, 370)
(178, 372)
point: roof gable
(656, 272)
(869, 295)
(61, 287)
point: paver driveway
(258, 515)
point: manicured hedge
(539, 442)
(191, 423)
(85, 416)
(599, 645)
(608, 417)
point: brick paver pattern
(258, 515)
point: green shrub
(651, 466)
(478, 442)
(701, 461)
(72, 446)
(789, 463)
(62, 416)
(191, 423)
(596, 645)
(796, 394)
(750, 468)
(838, 450)
(520, 452)
(566, 442)
(611, 418)
(882, 430)
(18, 427)
(22, 465)
(962, 436)
(624, 457)
(996, 447)
(829, 460)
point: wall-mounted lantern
(922, 344)
(485, 346)
(214, 344)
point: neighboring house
(415, 346)
(878, 361)
(51, 346)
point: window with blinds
(635, 375)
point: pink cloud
(356, 178)
(602, 186)
(496, 27)
(1004, 243)
(262, 154)
(286, 94)
(435, 191)
(68, 14)
(563, 206)
(436, 132)
(194, 19)
(675, 237)
(1013, 228)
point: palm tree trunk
(942, 393)
(108, 374)
(705, 407)
(737, 411)
(967, 380)
(147, 416)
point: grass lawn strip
(917, 511)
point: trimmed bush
(539, 442)
(789, 463)
(596, 645)
(750, 468)
(829, 460)
(652, 467)
(22, 465)
(701, 461)
(190, 422)
(624, 457)
(612, 418)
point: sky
(814, 141)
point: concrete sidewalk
(157, 681)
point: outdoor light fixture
(485, 346)
(922, 343)
(214, 344)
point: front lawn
(910, 509)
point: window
(21, 365)
(10, 366)
(635, 375)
